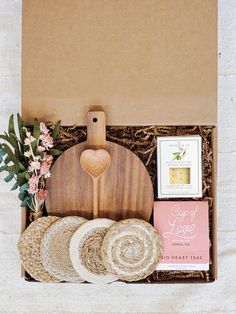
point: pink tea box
(184, 230)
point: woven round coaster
(131, 249)
(85, 251)
(55, 248)
(29, 249)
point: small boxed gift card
(184, 232)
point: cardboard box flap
(149, 62)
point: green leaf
(11, 128)
(25, 202)
(36, 129)
(7, 160)
(13, 136)
(9, 177)
(9, 140)
(3, 168)
(24, 187)
(15, 186)
(17, 144)
(21, 124)
(36, 134)
(55, 152)
(2, 152)
(56, 130)
(21, 178)
(30, 202)
(27, 176)
(22, 167)
(14, 143)
(1, 160)
(12, 169)
(21, 196)
(10, 154)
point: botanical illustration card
(184, 230)
(179, 166)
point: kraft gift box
(148, 62)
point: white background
(17, 296)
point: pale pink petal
(43, 128)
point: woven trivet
(29, 249)
(85, 251)
(131, 249)
(55, 248)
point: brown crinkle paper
(142, 141)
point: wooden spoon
(95, 163)
(125, 189)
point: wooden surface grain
(124, 191)
(18, 296)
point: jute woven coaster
(55, 248)
(29, 249)
(131, 249)
(85, 251)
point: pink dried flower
(33, 190)
(48, 158)
(29, 140)
(47, 141)
(47, 175)
(45, 167)
(40, 149)
(42, 195)
(34, 180)
(27, 154)
(34, 165)
(33, 184)
(43, 128)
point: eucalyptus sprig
(27, 157)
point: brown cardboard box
(149, 62)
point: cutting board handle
(96, 129)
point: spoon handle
(95, 197)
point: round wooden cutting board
(125, 190)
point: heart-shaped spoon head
(95, 162)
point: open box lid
(148, 62)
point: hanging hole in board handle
(95, 119)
